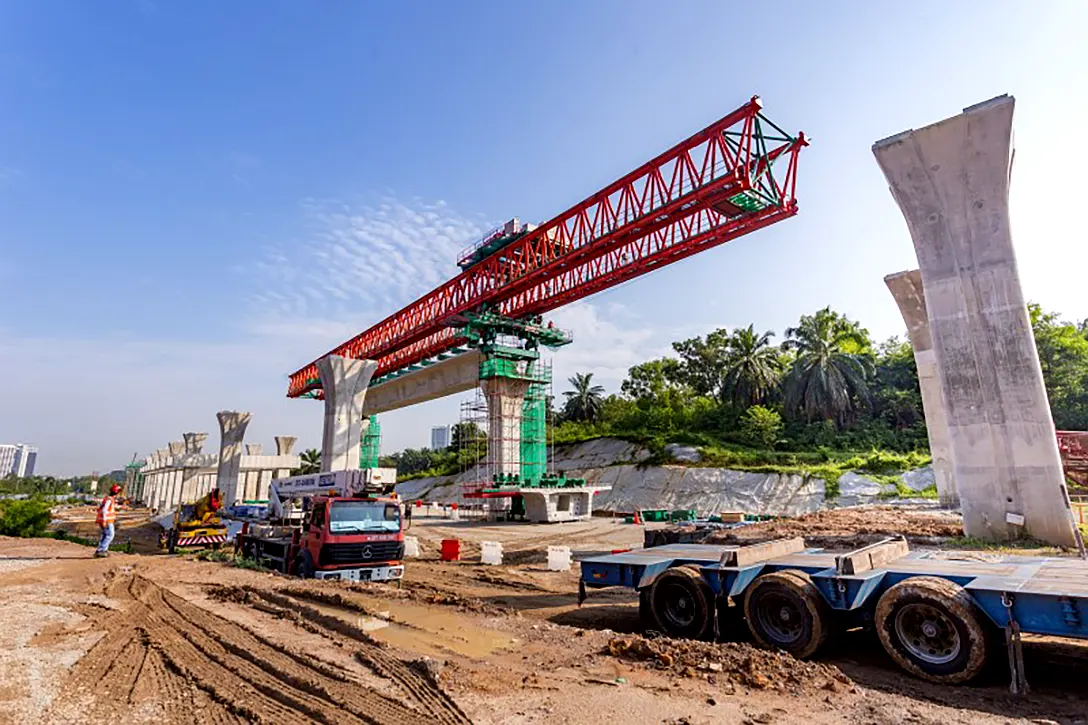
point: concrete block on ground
(491, 553)
(559, 558)
(411, 546)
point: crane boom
(716, 185)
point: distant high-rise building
(17, 459)
(440, 437)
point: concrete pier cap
(284, 445)
(951, 181)
(194, 442)
(345, 381)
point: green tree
(585, 402)
(702, 362)
(761, 426)
(310, 460)
(828, 378)
(1063, 356)
(651, 379)
(897, 397)
(753, 368)
(466, 435)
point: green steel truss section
(511, 350)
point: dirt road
(153, 638)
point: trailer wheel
(933, 629)
(682, 603)
(786, 611)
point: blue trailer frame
(1037, 595)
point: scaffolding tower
(370, 444)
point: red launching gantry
(717, 185)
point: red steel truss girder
(570, 255)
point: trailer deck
(1038, 595)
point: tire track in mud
(422, 689)
(166, 658)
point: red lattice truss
(671, 207)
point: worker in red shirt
(107, 515)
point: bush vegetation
(825, 401)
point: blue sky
(197, 198)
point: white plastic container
(558, 558)
(411, 546)
(491, 553)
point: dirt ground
(154, 638)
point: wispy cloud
(363, 261)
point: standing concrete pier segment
(906, 288)
(951, 182)
(345, 382)
(232, 429)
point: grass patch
(1015, 545)
(221, 556)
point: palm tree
(310, 460)
(753, 368)
(586, 400)
(827, 380)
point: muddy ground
(152, 638)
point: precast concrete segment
(505, 399)
(232, 429)
(906, 288)
(951, 181)
(446, 377)
(345, 382)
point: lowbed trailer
(939, 614)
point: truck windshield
(349, 516)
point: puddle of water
(422, 630)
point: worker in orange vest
(107, 515)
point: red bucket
(451, 550)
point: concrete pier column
(505, 399)
(190, 481)
(232, 429)
(345, 384)
(906, 288)
(252, 477)
(284, 446)
(951, 181)
(174, 475)
(160, 478)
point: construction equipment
(935, 612)
(343, 525)
(735, 176)
(196, 524)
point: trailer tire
(682, 603)
(786, 611)
(933, 629)
(646, 610)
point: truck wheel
(304, 566)
(786, 611)
(933, 629)
(682, 603)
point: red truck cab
(354, 539)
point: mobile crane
(341, 525)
